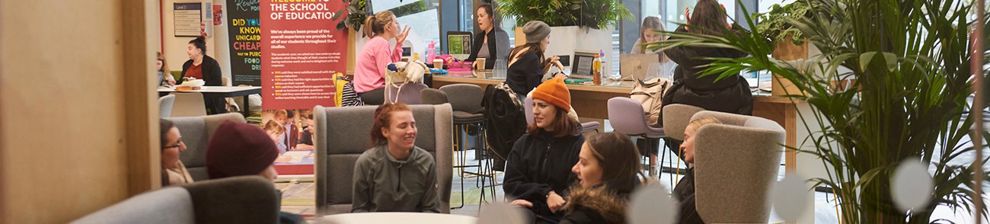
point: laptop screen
(459, 44)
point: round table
(397, 217)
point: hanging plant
(776, 24)
(357, 11)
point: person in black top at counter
(527, 63)
(494, 39)
(201, 66)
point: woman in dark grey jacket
(395, 175)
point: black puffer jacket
(539, 164)
(730, 95)
(505, 122)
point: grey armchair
(196, 132)
(735, 164)
(343, 134)
(675, 119)
(246, 199)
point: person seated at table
(492, 42)
(538, 169)
(527, 65)
(239, 149)
(201, 66)
(173, 171)
(164, 77)
(395, 175)
(607, 170)
(373, 60)
(277, 133)
(684, 191)
(649, 32)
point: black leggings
(373, 97)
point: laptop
(635, 66)
(459, 44)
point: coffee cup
(479, 64)
(438, 63)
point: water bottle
(499, 72)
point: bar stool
(627, 117)
(468, 112)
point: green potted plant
(788, 41)
(911, 62)
(582, 25)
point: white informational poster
(188, 19)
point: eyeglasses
(178, 143)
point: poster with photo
(301, 52)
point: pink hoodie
(372, 62)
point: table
(222, 91)
(397, 217)
(591, 101)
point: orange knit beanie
(554, 92)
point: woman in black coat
(607, 171)
(538, 170)
(731, 94)
(200, 66)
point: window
(420, 15)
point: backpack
(649, 93)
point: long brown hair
(533, 47)
(164, 68)
(375, 25)
(562, 125)
(651, 22)
(619, 159)
(709, 17)
(383, 116)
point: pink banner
(301, 49)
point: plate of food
(190, 85)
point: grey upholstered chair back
(735, 164)
(343, 133)
(433, 96)
(675, 119)
(165, 104)
(464, 97)
(165, 206)
(247, 199)
(408, 94)
(243, 199)
(196, 132)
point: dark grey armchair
(343, 134)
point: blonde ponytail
(375, 25)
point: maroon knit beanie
(238, 149)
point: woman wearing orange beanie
(538, 170)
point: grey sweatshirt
(384, 184)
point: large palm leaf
(909, 60)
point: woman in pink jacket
(369, 74)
